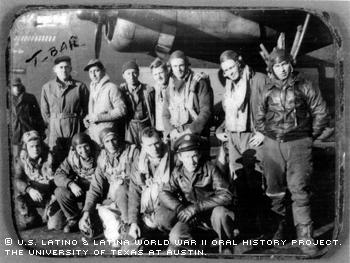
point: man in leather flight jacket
(198, 193)
(291, 114)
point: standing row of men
(275, 118)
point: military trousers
(219, 219)
(69, 202)
(288, 166)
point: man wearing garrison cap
(140, 103)
(117, 162)
(64, 104)
(189, 100)
(291, 114)
(242, 92)
(204, 194)
(106, 104)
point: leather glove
(187, 213)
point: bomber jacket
(120, 165)
(291, 111)
(206, 188)
(149, 96)
(73, 168)
(25, 116)
(37, 174)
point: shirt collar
(193, 176)
(65, 83)
(135, 89)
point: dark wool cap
(187, 142)
(130, 65)
(61, 59)
(17, 82)
(94, 62)
(80, 138)
(277, 56)
(229, 54)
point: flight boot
(280, 233)
(305, 239)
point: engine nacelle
(130, 37)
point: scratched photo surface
(115, 36)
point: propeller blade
(98, 39)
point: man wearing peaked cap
(58, 60)
(107, 106)
(140, 103)
(187, 142)
(64, 104)
(94, 62)
(205, 194)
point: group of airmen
(143, 153)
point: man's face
(230, 69)
(282, 70)
(190, 160)
(15, 90)
(83, 150)
(96, 74)
(111, 143)
(160, 75)
(131, 77)
(152, 146)
(179, 68)
(63, 70)
(34, 149)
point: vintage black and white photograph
(191, 132)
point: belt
(287, 137)
(64, 115)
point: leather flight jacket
(206, 189)
(292, 110)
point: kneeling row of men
(144, 186)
